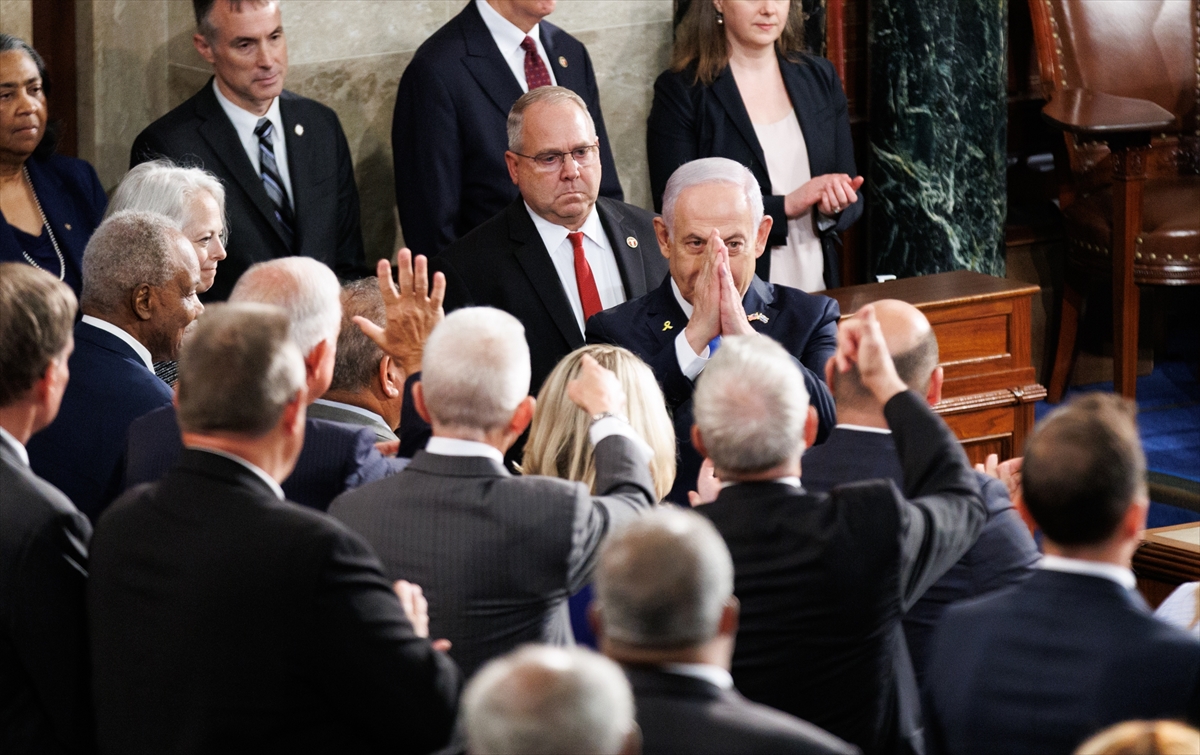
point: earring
(720, 18)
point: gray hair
(238, 370)
(162, 186)
(542, 700)
(306, 289)
(203, 11)
(38, 312)
(475, 370)
(131, 249)
(547, 95)
(357, 360)
(711, 170)
(751, 405)
(663, 580)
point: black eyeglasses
(548, 161)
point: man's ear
(510, 160)
(1133, 524)
(522, 416)
(142, 301)
(764, 231)
(728, 624)
(934, 394)
(419, 402)
(388, 382)
(203, 47)
(663, 234)
(698, 442)
(312, 362)
(811, 423)
(830, 373)
(293, 414)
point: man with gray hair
(711, 232)
(224, 618)
(336, 457)
(824, 579)
(139, 294)
(540, 700)
(498, 555)
(665, 609)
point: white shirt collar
(243, 120)
(1119, 574)
(508, 37)
(459, 447)
(789, 480)
(714, 675)
(352, 408)
(683, 303)
(268, 479)
(553, 235)
(124, 335)
(864, 428)
(16, 445)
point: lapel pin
(759, 316)
(562, 61)
(67, 226)
(666, 326)
(299, 130)
(631, 242)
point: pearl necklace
(62, 263)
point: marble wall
(137, 61)
(16, 18)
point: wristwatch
(605, 415)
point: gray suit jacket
(335, 413)
(497, 556)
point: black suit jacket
(1039, 667)
(496, 555)
(336, 457)
(224, 619)
(449, 128)
(324, 195)
(683, 714)
(805, 324)
(45, 700)
(824, 580)
(689, 120)
(504, 264)
(1004, 554)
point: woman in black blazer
(49, 204)
(737, 73)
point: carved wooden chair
(1123, 82)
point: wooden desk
(1167, 557)
(983, 331)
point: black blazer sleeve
(672, 131)
(843, 147)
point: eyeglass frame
(560, 158)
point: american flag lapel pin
(757, 316)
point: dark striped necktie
(265, 131)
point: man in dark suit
(861, 448)
(336, 457)
(498, 555)
(665, 609)
(45, 700)
(283, 158)
(712, 230)
(557, 254)
(1040, 667)
(224, 618)
(139, 293)
(448, 129)
(824, 580)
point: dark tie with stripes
(265, 132)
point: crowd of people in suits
(329, 512)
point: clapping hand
(413, 310)
(831, 193)
(860, 342)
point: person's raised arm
(413, 309)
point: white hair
(128, 250)
(475, 369)
(543, 700)
(663, 580)
(162, 186)
(711, 170)
(751, 405)
(304, 288)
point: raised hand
(413, 310)
(733, 314)
(705, 323)
(860, 342)
(707, 486)
(831, 193)
(596, 389)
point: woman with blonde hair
(558, 444)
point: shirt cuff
(610, 426)
(691, 364)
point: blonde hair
(558, 443)
(1143, 738)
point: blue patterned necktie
(273, 184)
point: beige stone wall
(16, 18)
(137, 62)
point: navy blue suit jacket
(1041, 666)
(449, 131)
(1004, 554)
(336, 457)
(805, 324)
(80, 453)
(73, 201)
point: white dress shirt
(18, 448)
(691, 364)
(714, 675)
(864, 428)
(262, 475)
(244, 122)
(355, 409)
(509, 38)
(1119, 574)
(134, 343)
(792, 480)
(600, 258)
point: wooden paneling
(54, 39)
(1163, 562)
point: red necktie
(536, 74)
(589, 295)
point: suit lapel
(629, 259)
(568, 72)
(664, 316)
(534, 259)
(726, 91)
(802, 100)
(759, 304)
(300, 162)
(486, 64)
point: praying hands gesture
(413, 310)
(717, 304)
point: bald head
(911, 342)
(305, 289)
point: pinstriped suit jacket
(496, 555)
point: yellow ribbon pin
(666, 325)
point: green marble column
(937, 146)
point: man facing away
(1041, 666)
(224, 618)
(824, 579)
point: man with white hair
(824, 579)
(139, 294)
(665, 610)
(711, 232)
(336, 457)
(498, 555)
(541, 700)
